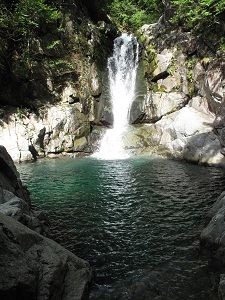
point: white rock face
(159, 104)
(184, 102)
(184, 107)
(94, 81)
(163, 61)
(57, 131)
(185, 134)
(188, 134)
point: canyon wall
(177, 113)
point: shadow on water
(137, 222)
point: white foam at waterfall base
(122, 68)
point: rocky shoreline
(32, 265)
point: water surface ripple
(130, 218)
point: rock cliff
(183, 104)
(50, 91)
(33, 266)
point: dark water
(137, 221)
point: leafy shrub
(131, 14)
(204, 17)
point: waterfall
(122, 69)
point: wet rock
(151, 286)
(140, 139)
(212, 238)
(14, 197)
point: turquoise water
(130, 219)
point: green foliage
(22, 113)
(22, 20)
(53, 44)
(203, 16)
(27, 16)
(131, 14)
(4, 17)
(59, 66)
(190, 63)
(30, 15)
(173, 66)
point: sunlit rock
(55, 131)
(159, 104)
(94, 82)
(214, 85)
(163, 61)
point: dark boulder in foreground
(212, 238)
(35, 267)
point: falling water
(122, 68)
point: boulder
(214, 83)
(212, 238)
(213, 235)
(160, 104)
(18, 209)
(10, 177)
(221, 290)
(185, 93)
(141, 139)
(163, 61)
(34, 267)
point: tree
(201, 15)
(132, 14)
(21, 20)
(25, 16)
